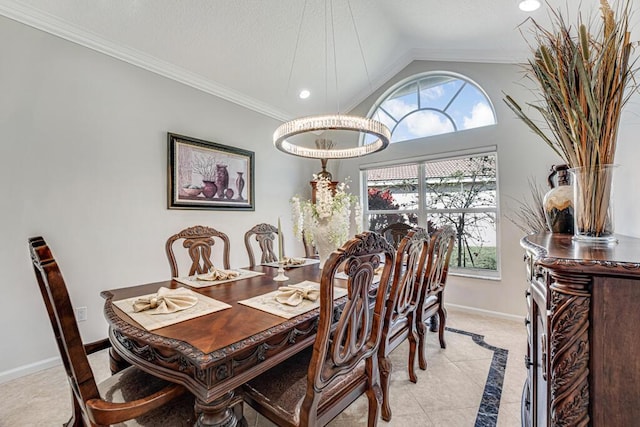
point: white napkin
(292, 295)
(293, 261)
(166, 301)
(214, 275)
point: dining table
(213, 355)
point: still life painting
(207, 175)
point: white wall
(521, 155)
(83, 162)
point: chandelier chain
(295, 50)
(364, 62)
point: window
(433, 104)
(457, 191)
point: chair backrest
(358, 329)
(440, 249)
(395, 232)
(411, 260)
(198, 240)
(310, 250)
(60, 310)
(264, 234)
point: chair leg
(373, 394)
(442, 315)
(422, 345)
(386, 368)
(76, 415)
(413, 344)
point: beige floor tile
(454, 417)
(446, 388)
(509, 415)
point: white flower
(332, 211)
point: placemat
(193, 282)
(267, 302)
(205, 305)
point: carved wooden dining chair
(431, 300)
(395, 232)
(399, 317)
(198, 240)
(310, 250)
(131, 397)
(264, 234)
(315, 385)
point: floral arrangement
(584, 74)
(332, 213)
(585, 77)
(205, 166)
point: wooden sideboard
(583, 356)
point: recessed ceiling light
(304, 94)
(529, 5)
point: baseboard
(21, 371)
(497, 314)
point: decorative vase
(593, 213)
(355, 226)
(209, 189)
(240, 185)
(222, 180)
(228, 193)
(322, 240)
(324, 173)
(558, 202)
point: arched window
(433, 103)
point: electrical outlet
(81, 314)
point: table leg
(226, 411)
(116, 362)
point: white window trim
(479, 151)
(416, 78)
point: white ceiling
(243, 50)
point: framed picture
(206, 175)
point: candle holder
(280, 277)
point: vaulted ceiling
(261, 53)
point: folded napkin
(166, 301)
(214, 274)
(291, 295)
(293, 261)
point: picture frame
(208, 175)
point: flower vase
(240, 185)
(322, 240)
(222, 180)
(593, 205)
(209, 189)
(354, 223)
(558, 201)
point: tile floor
(447, 394)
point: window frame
(422, 211)
(416, 78)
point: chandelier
(375, 138)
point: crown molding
(50, 24)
